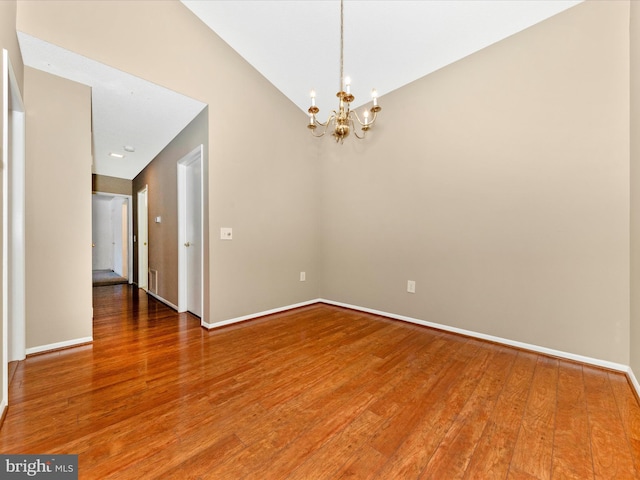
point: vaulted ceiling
(387, 44)
(295, 44)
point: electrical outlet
(226, 233)
(303, 276)
(411, 286)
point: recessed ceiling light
(117, 155)
(129, 148)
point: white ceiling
(126, 110)
(296, 45)
(387, 44)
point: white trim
(59, 345)
(144, 193)
(160, 299)
(191, 157)
(259, 314)
(5, 226)
(13, 204)
(3, 408)
(17, 253)
(512, 343)
(634, 381)
(129, 199)
(15, 170)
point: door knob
(187, 244)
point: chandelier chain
(341, 45)
(343, 120)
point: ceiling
(127, 111)
(295, 44)
(387, 44)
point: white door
(124, 243)
(117, 236)
(102, 232)
(194, 236)
(190, 256)
(143, 239)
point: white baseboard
(3, 410)
(634, 381)
(209, 326)
(160, 299)
(512, 343)
(59, 345)
(504, 341)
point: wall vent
(153, 281)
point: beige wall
(160, 176)
(9, 39)
(635, 187)
(262, 177)
(500, 184)
(105, 184)
(58, 219)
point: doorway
(191, 239)
(143, 239)
(112, 240)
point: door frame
(13, 225)
(129, 199)
(143, 253)
(193, 156)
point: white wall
(107, 232)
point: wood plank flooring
(320, 392)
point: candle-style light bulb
(366, 117)
(347, 84)
(374, 95)
(311, 119)
(313, 98)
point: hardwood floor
(320, 392)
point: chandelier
(343, 120)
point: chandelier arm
(324, 130)
(331, 118)
(353, 127)
(318, 136)
(325, 125)
(369, 123)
